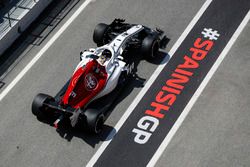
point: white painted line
(148, 84)
(197, 93)
(43, 50)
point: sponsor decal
(90, 81)
(73, 94)
(174, 86)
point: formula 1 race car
(97, 80)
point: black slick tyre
(38, 108)
(99, 34)
(95, 121)
(150, 47)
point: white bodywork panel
(114, 66)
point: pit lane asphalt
(24, 141)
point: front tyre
(38, 108)
(99, 34)
(150, 47)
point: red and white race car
(102, 72)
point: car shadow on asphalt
(67, 132)
(162, 58)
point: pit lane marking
(210, 33)
(44, 49)
(197, 93)
(147, 86)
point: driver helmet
(105, 55)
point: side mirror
(81, 55)
(120, 58)
(120, 51)
(115, 62)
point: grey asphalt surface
(214, 132)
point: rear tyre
(99, 34)
(98, 126)
(38, 108)
(150, 47)
(95, 121)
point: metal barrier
(14, 14)
(17, 18)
